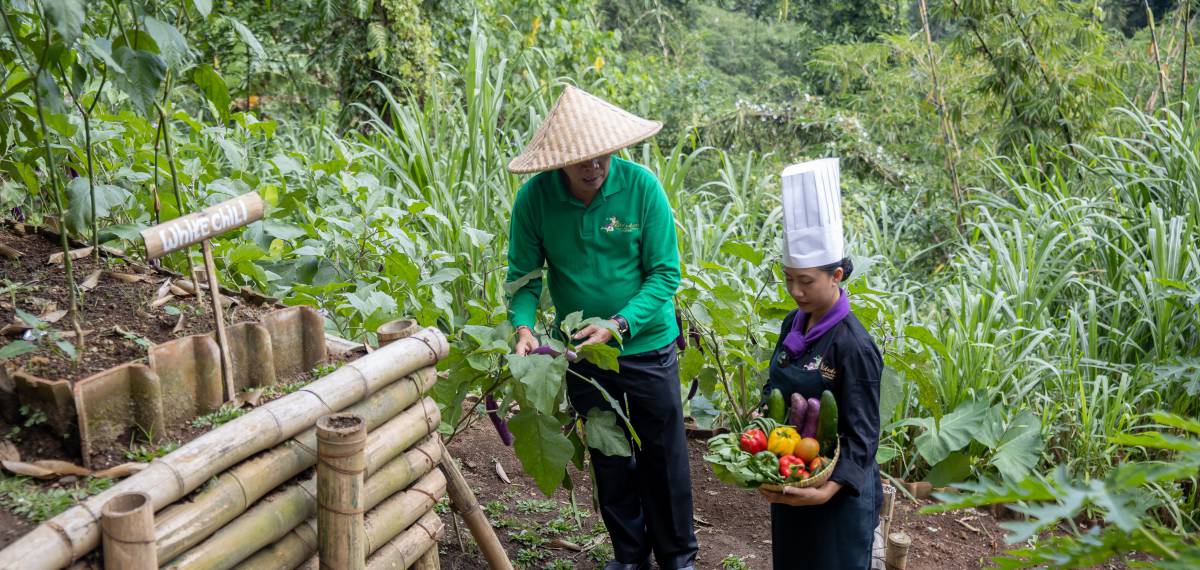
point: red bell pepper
(753, 441)
(792, 467)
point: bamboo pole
(889, 508)
(75, 532)
(222, 338)
(462, 499)
(382, 523)
(182, 526)
(897, 551)
(128, 527)
(341, 461)
(404, 550)
(429, 561)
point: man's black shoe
(614, 565)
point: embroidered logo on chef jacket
(616, 225)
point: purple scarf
(797, 340)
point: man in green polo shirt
(604, 231)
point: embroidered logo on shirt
(616, 225)
(828, 372)
(814, 365)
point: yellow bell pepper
(783, 440)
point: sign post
(200, 227)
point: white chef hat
(812, 214)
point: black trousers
(646, 499)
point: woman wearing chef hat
(822, 346)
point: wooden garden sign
(199, 227)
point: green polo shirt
(615, 256)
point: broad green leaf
(283, 230)
(542, 448)
(443, 275)
(604, 435)
(606, 324)
(127, 232)
(952, 433)
(67, 17)
(101, 49)
(49, 93)
(249, 39)
(953, 469)
(67, 348)
(743, 251)
(171, 43)
(479, 238)
(886, 453)
(144, 73)
(204, 7)
(1020, 448)
(925, 337)
(572, 322)
(214, 88)
(690, 363)
(245, 252)
(891, 392)
(16, 348)
(601, 355)
(541, 379)
(79, 203)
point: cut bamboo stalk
(301, 543)
(128, 527)
(222, 338)
(897, 551)
(889, 508)
(429, 561)
(75, 532)
(401, 510)
(183, 526)
(405, 549)
(462, 499)
(341, 462)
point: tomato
(817, 464)
(807, 449)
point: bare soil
(730, 523)
(118, 322)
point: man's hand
(593, 335)
(797, 497)
(526, 342)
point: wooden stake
(222, 340)
(462, 499)
(127, 523)
(897, 551)
(889, 508)
(341, 537)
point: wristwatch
(622, 325)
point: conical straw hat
(581, 127)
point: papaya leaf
(604, 435)
(542, 448)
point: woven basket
(816, 480)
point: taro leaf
(886, 453)
(541, 378)
(16, 348)
(249, 39)
(79, 202)
(604, 435)
(953, 469)
(67, 16)
(144, 73)
(214, 88)
(743, 251)
(204, 7)
(542, 448)
(171, 43)
(890, 394)
(602, 355)
(1020, 447)
(952, 433)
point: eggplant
(501, 425)
(799, 409)
(810, 419)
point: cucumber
(827, 427)
(775, 409)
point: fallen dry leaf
(122, 470)
(257, 298)
(178, 323)
(163, 290)
(9, 452)
(564, 544)
(92, 280)
(27, 469)
(53, 316)
(129, 277)
(180, 291)
(14, 329)
(500, 473)
(163, 301)
(63, 467)
(75, 254)
(10, 252)
(186, 285)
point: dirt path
(732, 525)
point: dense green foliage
(1022, 189)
